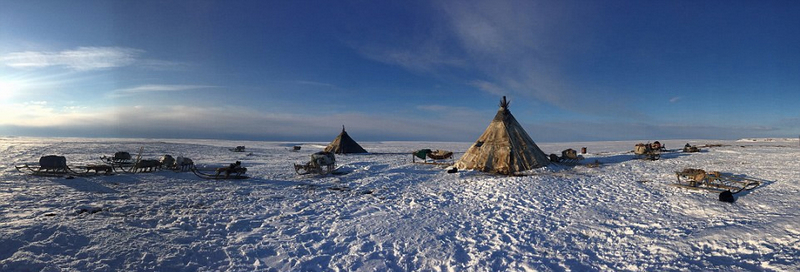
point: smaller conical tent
(504, 148)
(344, 144)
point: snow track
(389, 214)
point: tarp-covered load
(343, 144)
(504, 148)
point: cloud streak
(155, 88)
(83, 59)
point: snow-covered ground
(389, 214)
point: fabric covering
(343, 144)
(504, 148)
(422, 153)
(53, 162)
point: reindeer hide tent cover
(344, 144)
(504, 148)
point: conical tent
(344, 144)
(504, 148)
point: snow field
(389, 214)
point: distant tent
(504, 148)
(344, 144)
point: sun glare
(8, 89)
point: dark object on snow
(240, 148)
(452, 170)
(727, 196)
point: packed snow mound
(769, 140)
(388, 214)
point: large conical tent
(344, 144)
(504, 148)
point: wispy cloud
(675, 99)
(489, 87)
(313, 83)
(156, 88)
(421, 58)
(82, 59)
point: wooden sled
(427, 156)
(235, 171)
(140, 166)
(123, 162)
(321, 163)
(119, 158)
(56, 166)
(691, 178)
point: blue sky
(399, 70)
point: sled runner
(321, 163)
(428, 156)
(714, 181)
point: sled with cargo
(568, 156)
(427, 156)
(56, 166)
(233, 171)
(700, 179)
(690, 148)
(123, 162)
(119, 158)
(648, 151)
(321, 163)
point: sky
(399, 70)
